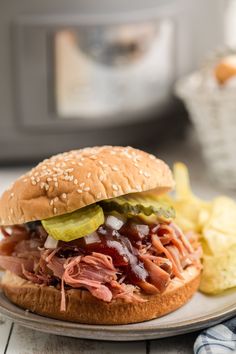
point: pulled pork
(118, 264)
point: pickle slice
(68, 227)
(135, 205)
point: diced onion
(114, 223)
(92, 238)
(8, 231)
(51, 242)
(142, 229)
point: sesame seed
(25, 180)
(46, 186)
(71, 178)
(44, 167)
(37, 179)
(73, 163)
(42, 185)
(115, 168)
(56, 184)
(59, 173)
(75, 181)
(82, 184)
(141, 172)
(128, 190)
(89, 175)
(56, 199)
(33, 183)
(115, 187)
(101, 178)
(93, 157)
(54, 210)
(135, 164)
(86, 189)
(55, 179)
(146, 174)
(128, 155)
(51, 202)
(80, 164)
(11, 210)
(63, 195)
(79, 191)
(152, 157)
(49, 179)
(70, 170)
(12, 195)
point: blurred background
(79, 73)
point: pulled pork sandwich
(87, 238)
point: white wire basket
(212, 110)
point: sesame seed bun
(82, 307)
(75, 179)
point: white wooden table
(15, 339)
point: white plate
(200, 312)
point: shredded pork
(121, 265)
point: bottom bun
(82, 307)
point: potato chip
(204, 216)
(218, 241)
(219, 272)
(223, 215)
(187, 212)
(215, 221)
(188, 207)
(181, 176)
(219, 231)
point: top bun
(74, 179)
